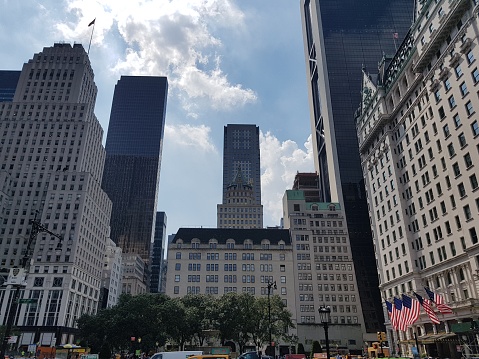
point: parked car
(249, 355)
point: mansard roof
(274, 235)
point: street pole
(326, 338)
(271, 285)
(37, 227)
(325, 318)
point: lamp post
(37, 228)
(325, 318)
(271, 286)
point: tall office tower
(8, 84)
(239, 209)
(52, 165)
(323, 268)
(241, 150)
(133, 159)
(241, 162)
(158, 252)
(418, 135)
(339, 38)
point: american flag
(427, 307)
(439, 300)
(401, 321)
(392, 314)
(412, 308)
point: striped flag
(427, 307)
(439, 300)
(412, 308)
(401, 322)
(392, 314)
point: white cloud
(166, 38)
(197, 138)
(280, 161)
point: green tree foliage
(301, 348)
(316, 348)
(156, 318)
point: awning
(429, 338)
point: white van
(176, 355)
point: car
(249, 355)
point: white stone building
(111, 276)
(324, 273)
(418, 135)
(51, 163)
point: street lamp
(271, 286)
(22, 272)
(325, 319)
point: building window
(447, 133)
(464, 90)
(447, 84)
(452, 101)
(456, 170)
(470, 57)
(458, 71)
(473, 234)
(178, 255)
(475, 128)
(177, 278)
(469, 108)
(176, 290)
(475, 75)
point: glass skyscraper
(8, 84)
(241, 150)
(341, 37)
(133, 160)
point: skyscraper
(8, 84)
(52, 165)
(158, 252)
(241, 206)
(339, 38)
(133, 160)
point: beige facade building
(219, 261)
(134, 274)
(324, 272)
(239, 208)
(418, 135)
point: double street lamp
(325, 319)
(271, 286)
(22, 273)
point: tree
(199, 310)
(301, 348)
(316, 348)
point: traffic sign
(27, 301)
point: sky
(227, 62)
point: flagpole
(91, 37)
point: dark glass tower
(241, 150)
(133, 160)
(8, 84)
(158, 253)
(341, 37)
